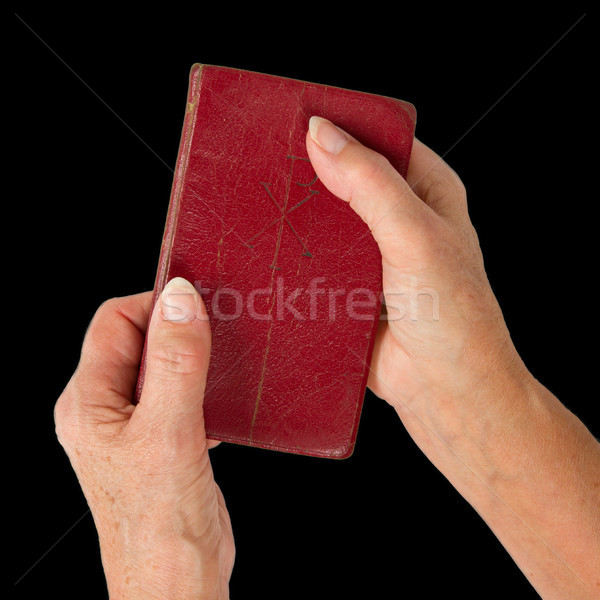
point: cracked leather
(290, 275)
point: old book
(290, 275)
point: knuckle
(455, 186)
(458, 190)
(437, 190)
(107, 308)
(73, 423)
(102, 315)
(175, 357)
(444, 191)
(64, 417)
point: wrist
(487, 430)
(172, 566)
(468, 412)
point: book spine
(195, 79)
(178, 178)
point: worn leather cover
(291, 276)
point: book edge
(189, 122)
(179, 177)
(407, 107)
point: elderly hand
(145, 470)
(445, 361)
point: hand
(445, 361)
(145, 470)
(443, 330)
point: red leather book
(290, 275)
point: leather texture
(290, 275)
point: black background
(99, 101)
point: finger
(365, 179)
(111, 351)
(177, 358)
(436, 183)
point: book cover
(290, 275)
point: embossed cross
(284, 212)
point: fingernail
(179, 301)
(323, 132)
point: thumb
(177, 358)
(365, 179)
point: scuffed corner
(194, 85)
(407, 109)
